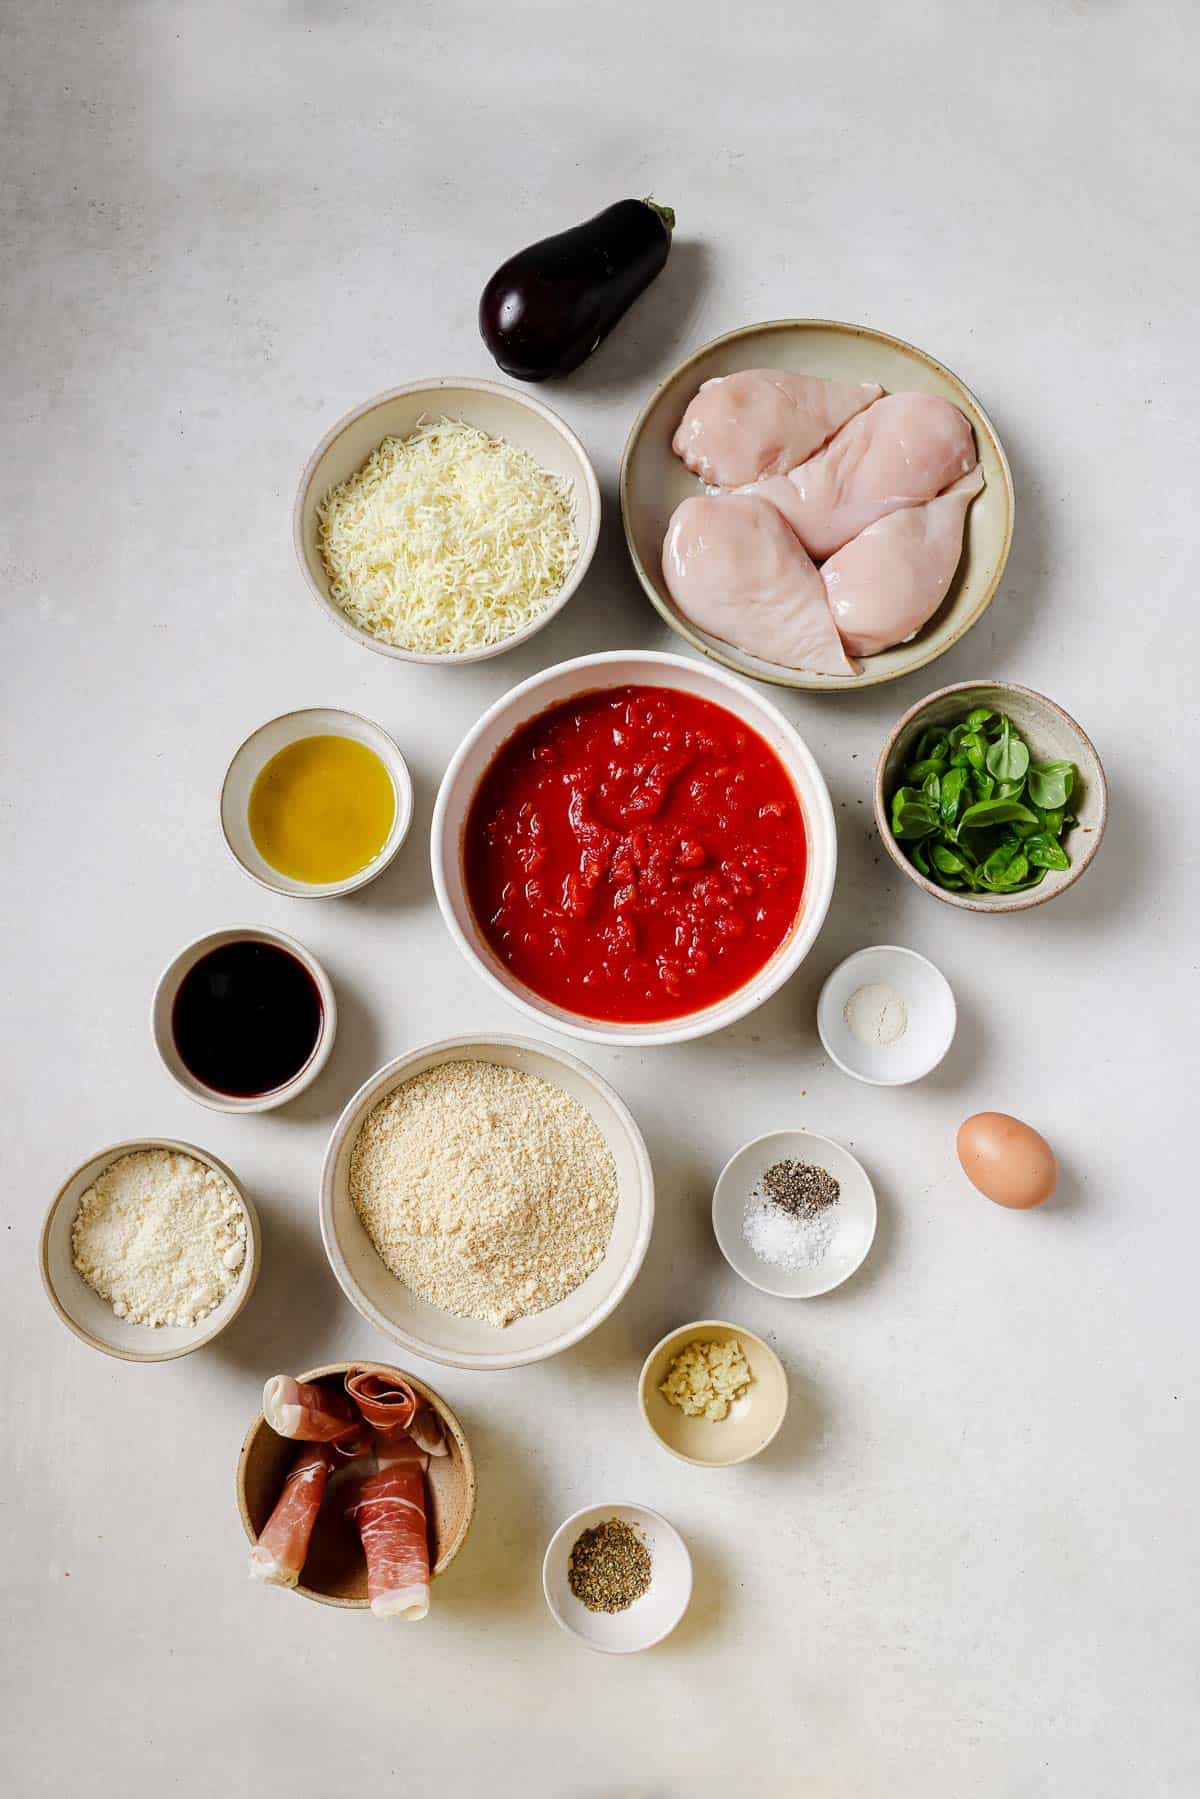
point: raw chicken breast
(763, 422)
(893, 576)
(734, 569)
(900, 452)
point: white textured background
(967, 1570)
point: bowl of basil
(990, 797)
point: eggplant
(545, 310)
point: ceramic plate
(654, 481)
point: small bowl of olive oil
(316, 803)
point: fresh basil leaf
(1010, 790)
(979, 715)
(920, 858)
(932, 742)
(1008, 758)
(1050, 783)
(995, 812)
(931, 787)
(1044, 852)
(1005, 868)
(947, 861)
(916, 772)
(912, 814)
(953, 782)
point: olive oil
(322, 809)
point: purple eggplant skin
(545, 310)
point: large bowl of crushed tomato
(634, 848)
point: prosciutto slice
(391, 1406)
(278, 1556)
(389, 1510)
(312, 1413)
(759, 422)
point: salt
(784, 1240)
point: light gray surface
(968, 1566)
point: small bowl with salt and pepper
(886, 1016)
(794, 1214)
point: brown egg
(1007, 1160)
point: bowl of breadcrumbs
(486, 1202)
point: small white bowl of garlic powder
(886, 1016)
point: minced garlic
(705, 1378)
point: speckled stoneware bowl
(654, 481)
(335, 1572)
(1052, 735)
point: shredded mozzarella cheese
(447, 540)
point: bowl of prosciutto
(815, 504)
(356, 1488)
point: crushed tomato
(635, 854)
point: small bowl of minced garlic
(713, 1393)
(149, 1250)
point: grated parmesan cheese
(447, 540)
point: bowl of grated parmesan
(447, 520)
(486, 1202)
(149, 1250)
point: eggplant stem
(665, 213)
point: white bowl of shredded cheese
(447, 520)
(149, 1250)
(508, 1184)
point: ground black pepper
(800, 1188)
(609, 1567)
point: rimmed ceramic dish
(931, 1016)
(91, 1318)
(752, 1421)
(654, 481)
(649, 1619)
(1052, 735)
(252, 757)
(853, 1222)
(335, 1572)
(588, 674)
(489, 406)
(394, 1309)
